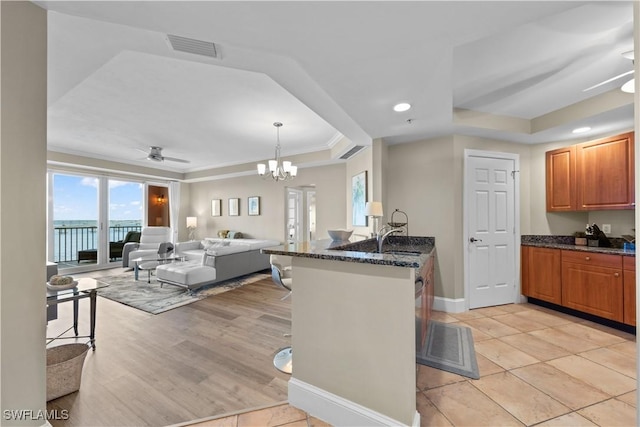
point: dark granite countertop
(399, 251)
(567, 243)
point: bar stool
(281, 275)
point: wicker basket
(64, 369)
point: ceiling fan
(629, 86)
(155, 155)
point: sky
(76, 198)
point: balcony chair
(115, 248)
(150, 240)
(281, 275)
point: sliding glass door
(89, 217)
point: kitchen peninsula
(354, 319)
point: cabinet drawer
(590, 258)
(629, 263)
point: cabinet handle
(587, 258)
(616, 274)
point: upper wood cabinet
(594, 175)
(561, 179)
(605, 173)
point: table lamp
(374, 210)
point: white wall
(363, 161)
(425, 179)
(23, 121)
(330, 209)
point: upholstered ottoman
(188, 274)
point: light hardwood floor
(205, 363)
(210, 357)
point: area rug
(152, 298)
(449, 347)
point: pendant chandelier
(278, 170)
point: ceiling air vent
(196, 47)
(352, 152)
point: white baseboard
(449, 305)
(337, 410)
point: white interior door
(491, 231)
(294, 214)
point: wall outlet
(606, 228)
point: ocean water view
(71, 236)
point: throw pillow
(206, 244)
(234, 235)
(223, 233)
(208, 260)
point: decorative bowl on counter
(339, 235)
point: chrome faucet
(384, 232)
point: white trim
(337, 410)
(516, 217)
(449, 305)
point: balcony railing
(68, 241)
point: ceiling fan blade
(173, 159)
(609, 80)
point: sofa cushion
(186, 273)
(228, 249)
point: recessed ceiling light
(403, 106)
(582, 129)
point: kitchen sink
(403, 253)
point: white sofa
(222, 259)
(150, 239)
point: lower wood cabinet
(594, 283)
(424, 294)
(542, 268)
(629, 297)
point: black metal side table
(86, 288)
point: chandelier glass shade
(278, 170)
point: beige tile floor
(537, 367)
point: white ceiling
(324, 69)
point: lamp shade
(192, 222)
(373, 209)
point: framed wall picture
(253, 205)
(234, 207)
(359, 200)
(216, 207)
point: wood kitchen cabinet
(629, 272)
(594, 175)
(561, 179)
(605, 173)
(593, 283)
(424, 299)
(542, 274)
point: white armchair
(150, 240)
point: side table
(87, 288)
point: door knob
(473, 240)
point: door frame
(468, 153)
